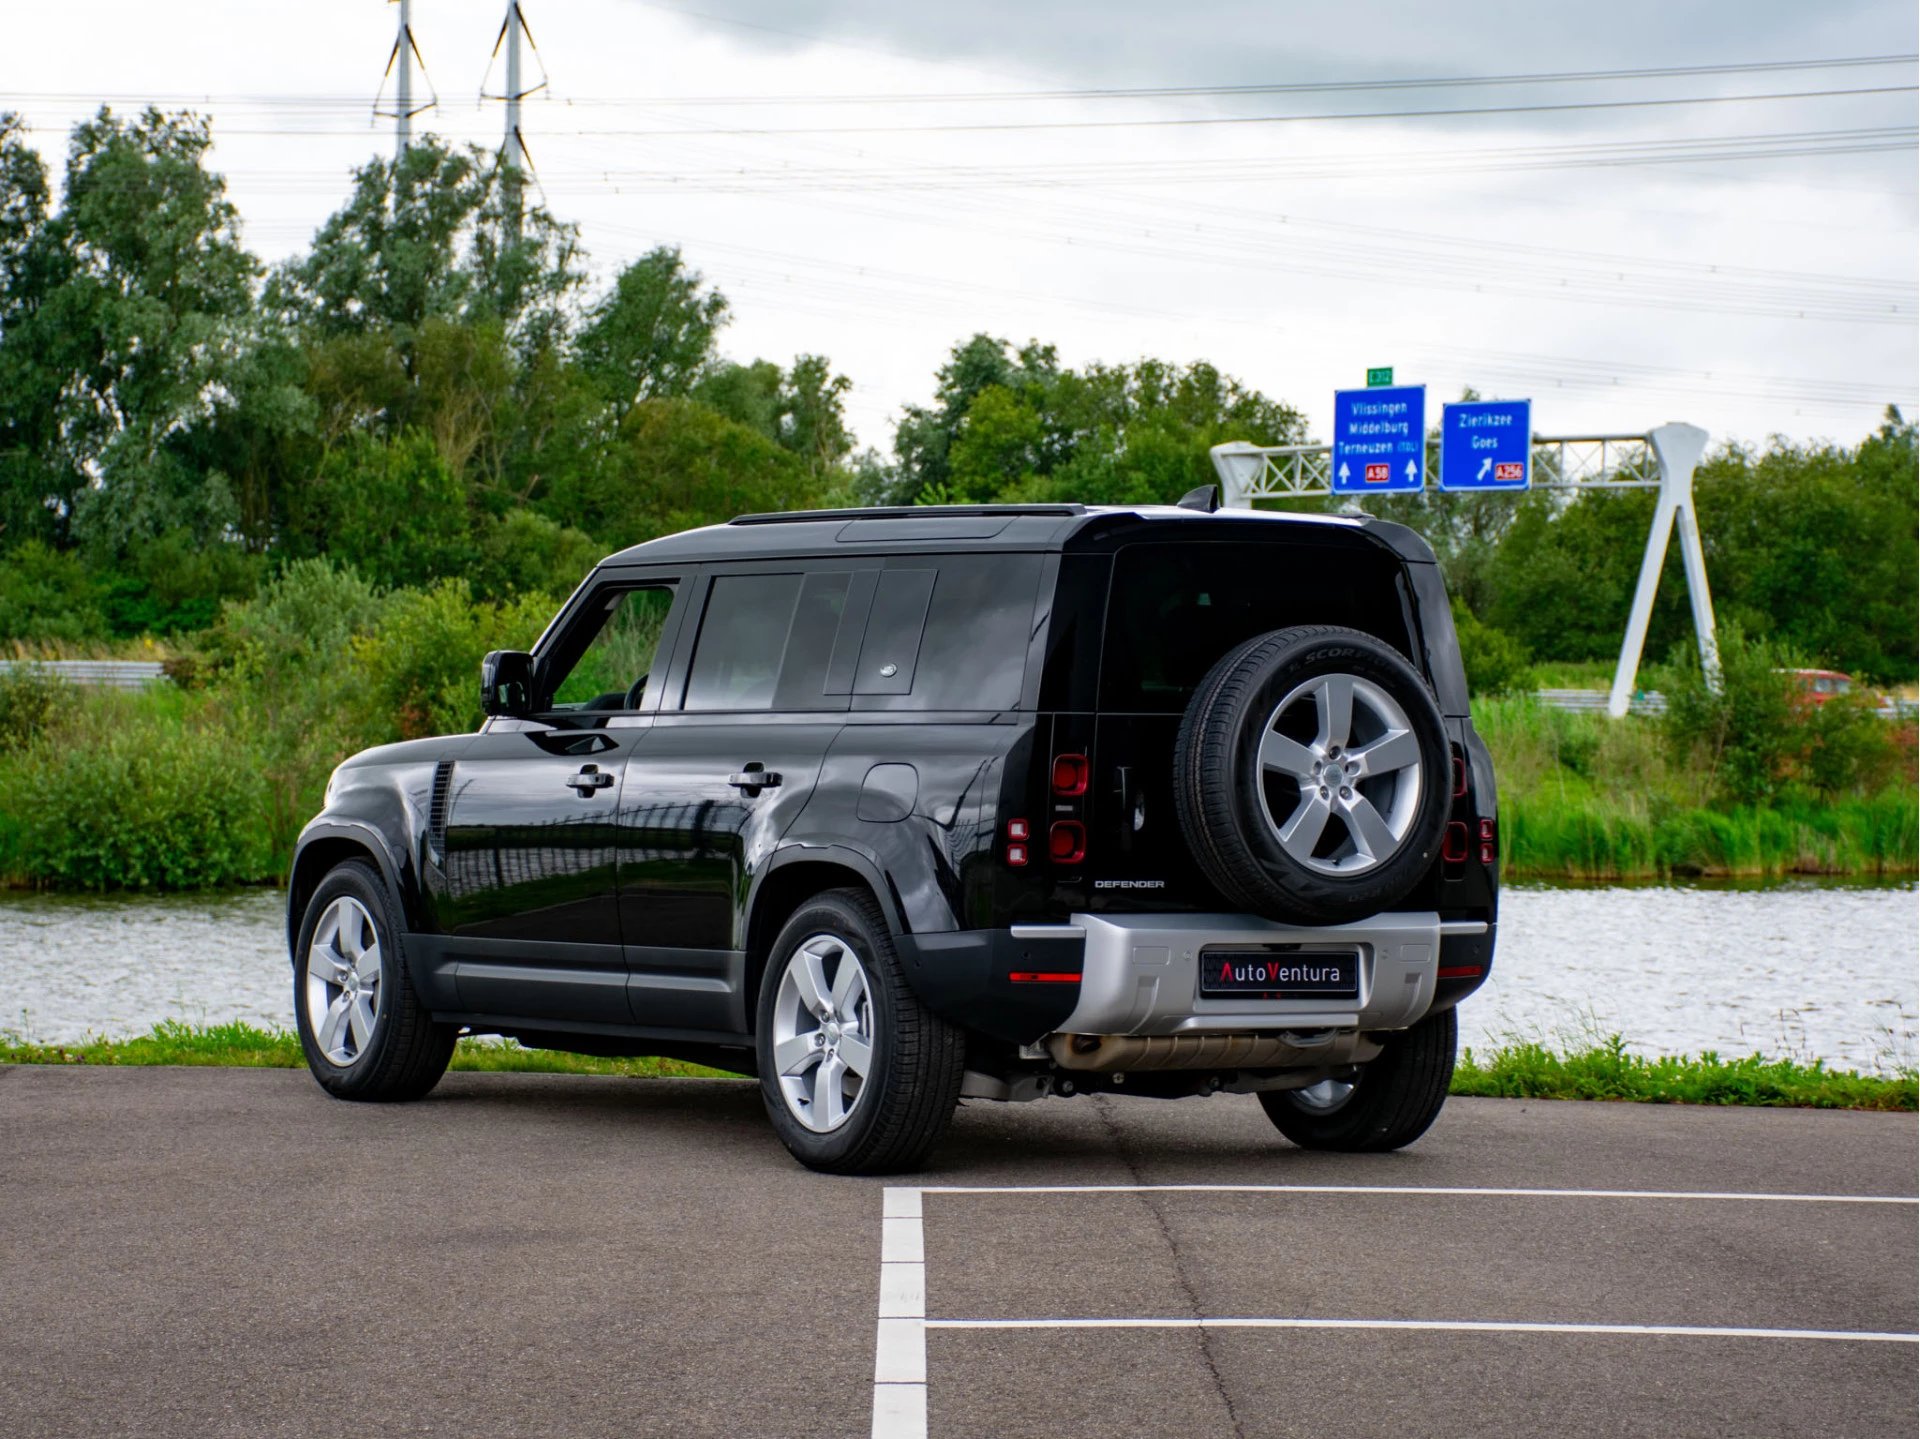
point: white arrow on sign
(1411, 471)
(1345, 473)
(1485, 465)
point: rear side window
(743, 638)
(950, 632)
(1174, 610)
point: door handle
(754, 778)
(590, 778)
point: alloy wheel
(823, 1032)
(1340, 774)
(343, 981)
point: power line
(1325, 87)
(1179, 121)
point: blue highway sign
(1379, 440)
(1486, 445)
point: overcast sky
(1759, 278)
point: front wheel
(1388, 1105)
(364, 1029)
(857, 1075)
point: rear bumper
(1138, 974)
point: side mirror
(506, 683)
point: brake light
(1018, 834)
(1070, 773)
(1487, 847)
(1067, 841)
(1453, 849)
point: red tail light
(1070, 775)
(1030, 976)
(1487, 847)
(1453, 849)
(1019, 832)
(1067, 841)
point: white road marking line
(1425, 1189)
(900, 1241)
(903, 1291)
(1494, 1326)
(900, 1335)
(900, 1338)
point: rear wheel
(364, 1029)
(857, 1075)
(1388, 1105)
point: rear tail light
(1487, 846)
(1044, 976)
(1067, 841)
(1019, 834)
(1453, 849)
(1070, 775)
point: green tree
(651, 336)
(427, 237)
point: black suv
(895, 807)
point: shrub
(1496, 662)
(147, 805)
(30, 698)
(1746, 731)
(421, 665)
(48, 594)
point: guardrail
(1652, 702)
(109, 674)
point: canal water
(1797, 970)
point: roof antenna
(1206, 499)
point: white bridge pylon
(1662, 459)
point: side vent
(437, 810)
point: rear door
(758, 692)
(529, 903)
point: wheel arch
(323, 848)
(789, 882)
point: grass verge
(1530, 1070)
(1521, 1070)
(243, 1046)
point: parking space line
(1494, 1326)
(900, 1339)
(1714, 1196)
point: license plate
(1282, 974)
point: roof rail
(902, 512)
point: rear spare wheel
(1310, 775)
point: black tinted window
(1176, 609)
(743, 636)
(973, 615)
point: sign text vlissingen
(1486, 445)
(1379, 440)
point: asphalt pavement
(229, 1252)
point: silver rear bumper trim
(1141, 972)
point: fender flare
(364, 836)
(861, 861)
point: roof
(974, 527)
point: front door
(529, 904)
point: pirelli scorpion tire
(1311, 775)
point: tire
(1274, 780)
(1392, 1103)
(902, 1104)
(399, 1053)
